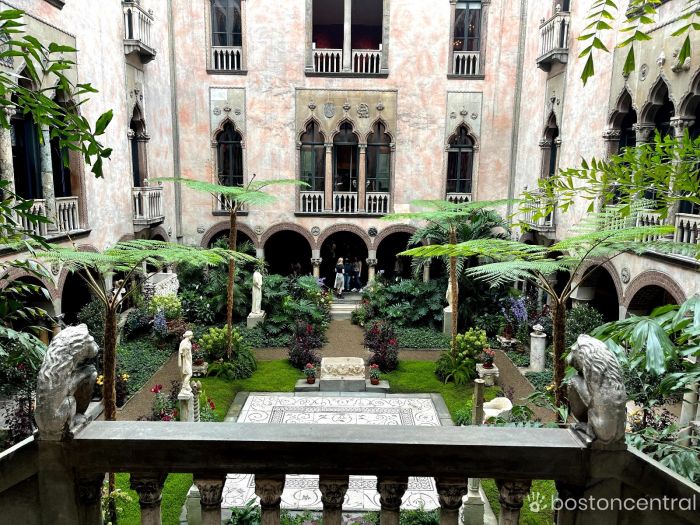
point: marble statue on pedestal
(184, 361)
(448, 293)
(256, 307)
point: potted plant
(487, 357)
(310, 373)
(197, 355)
(374, 374)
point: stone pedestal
(303, 386)
(538, 347)
(381, 388)
(473, 504)
(255, 319)
(200, 370)
(186, 400)
(342, 374)
(489, 375)
(447, 321)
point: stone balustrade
(554, 40)
(649, 218)
(67, 214)
(38, 207)
(311, 201)
(687, 228)
(327, 60)
(545, 223)
(345, 202)
(367, 61)
(466, 63)
(148, 205)
(362, 61)
(459, 198)
(138, 24)
(378, 203)
(227, 58)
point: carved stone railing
(138, 25)
(327, 60)
(222, 204)
(148, 205)
(38, 207)
(378, 203)
(345, 202)
(311, 201)
(545, 223)
(459, 198)
(554, 40)
(649, 218)
(67, 214)
(687, 228)
(226, 58)
(367, 61)
(466, 63)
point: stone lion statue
(65, 383)
(597, 394)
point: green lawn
(279, 376)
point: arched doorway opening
(343, 244)
(74, 297)
(604, 293)
(221, 239)
(648, 298)
(388, 261)
(287, 253)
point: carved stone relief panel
(227, 104)
(554, 97)
(330, 107)
(463, 107)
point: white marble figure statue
(257, 293)
(448, 293)
(184, 361)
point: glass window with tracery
(229, 157)
(378, 159)
(345, 154)
(460, 162)
(226, 23)
(313, 158)
(467, 29)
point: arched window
(460, 162)
(345, 153)
(26, 153)
(137, 132)
(378, 159)
(550, 147)
(226, 25)
(229, 154)
(467, 28)
(313, 158)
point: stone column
(186, 402)
(538, 347)
(362, 177)
(371, 269)
(149, 487)
(328, 183)
(426, 271)
(316, 265)
(47, 179)
(391, 490)
(210, 491)
(347, 37)
(333, 489)
(451, 49)
(644, 133)
(90, 498)
(689, 409)
(450, 493)
(679, 125)
(511, 496)
(7, 172)
(478, 402)
(269, 490)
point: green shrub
(170, 305)
(406, 517)
(519, 358)
(460, 366)
(248, 515)
(138, 322)
(581, 319)
(140, 358)
(463, 416)
(540, 380)
(492, 324)
(408, 302)
(93, 315)
(421, 338)
(213, 342)
(241, 366)
(381, 341)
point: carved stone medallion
(643, 72)
(315, 231)
(372, 231)
(217, 111)
(329, 109)
(363, 111)
(625, 275)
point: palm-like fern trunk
(109, 394)
(454, 292)
(232, 234)
(558, 336)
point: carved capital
(391, 490)
(680, 124)
(611, 135)
(90, 490)
(643, 132)
(451, 491)
(333, 489)
(512, 492)
(269, 490)
(316, 261)
(149, 487)
(9, 111)
(371, 262)
(211, 489)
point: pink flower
(156, 389)
(392, 341)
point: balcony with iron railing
(138, 25)
(362, 61)
(554, 40)
(148, 205)
(345, 202)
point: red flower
(309, 365)
(156, 389)
(309, 328)
(375, 365)
(166, 417)
(392, 341)
(211, 404)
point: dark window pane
(226, 23)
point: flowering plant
(488, 355)
(374, 371)
(514, 312)
(310, 370)
(198, 354)
(122, 388)
(165, 406)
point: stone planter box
(200, 370)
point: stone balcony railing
(362, 61)
(67, 214)
(226, 58)
(546, 223)
(466, 63)
(148, 205)
(554, 40)
(38, 208)
(458, 198)
(344, 202)
(367, 61)
(138, 25)
(311, 201)
(687, 228)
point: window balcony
(137, 30)
(38, 208)
(466, 64)
(554, 41)
(67, 214)
(223, 204)
(458, 198)
(687, 228)
(363, 61)
(344, 202)
(540, 224)
(148, 206)
(226, 59)
(67, 210)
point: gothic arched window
(226, 25)
(313, 158)
(460, 162)
(378, 159)
(345, 153)
(229, 156)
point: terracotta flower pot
(311, 380)
(374, 380)
(488, 364)
(198, 362)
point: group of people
(347, 275)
